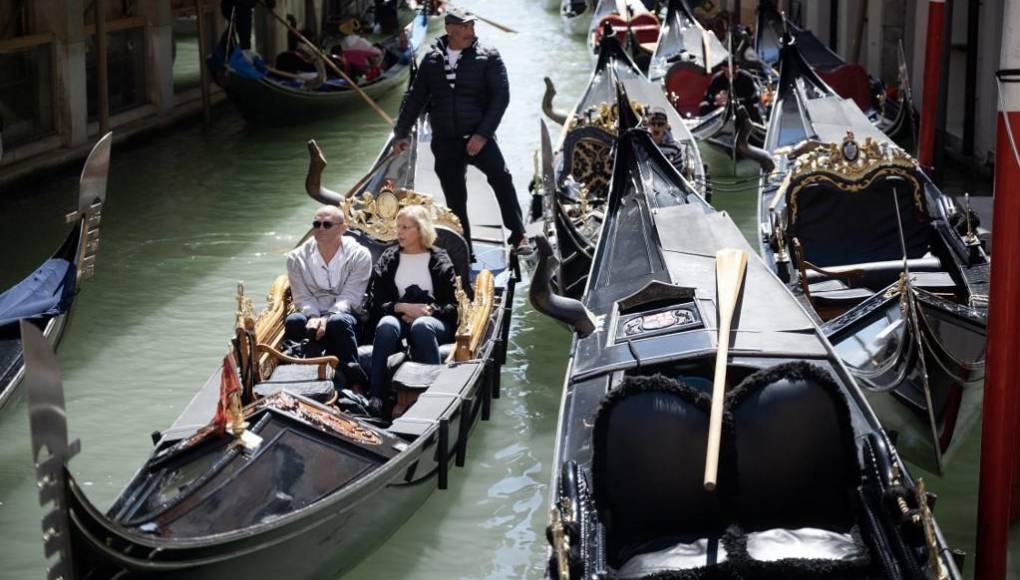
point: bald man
(328, 278)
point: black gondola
(271, 97)
(575, 178)
(292, 485)
(893, 116)
(635, 27)
(808, 484)
(684, 63)
(46, 296)
(890, 265)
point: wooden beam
(23, 42)
(204, 70)
(102, 67)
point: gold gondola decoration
(375, 214)
(472, 317)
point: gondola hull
(352, 523)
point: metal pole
(206, 98)
(929, 96)
(102, 69)
(970, 87)
(999, 425)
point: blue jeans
(424, 336)
(340, 339)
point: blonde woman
(413, 298)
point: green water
(191, 213)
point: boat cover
(47, 292)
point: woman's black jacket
(384, 295)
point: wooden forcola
(730, 266)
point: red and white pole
(999, 445)
(930, 92)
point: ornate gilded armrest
(322, 361)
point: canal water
(192, 212)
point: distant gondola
(577, 15)
(685, 60)
(295, 484)
(892, 116)
(631, 22)
(808, 484)
(892, 266)
(273, 98)
(46, 296)
(575, 178)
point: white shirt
(452, 56)
(413, 269)
(319, 288)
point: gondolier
(463, 85)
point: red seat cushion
(685, 87)
(645, 27)
(850, 81)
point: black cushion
(795, 452)
(460, 254)
(650, 438)
(837, 227)
(298, 379)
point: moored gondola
(577, 15)
(576, 172)
(46, 296)
(890, 265)
(631, 22)
(296, 483)
(895, 116)
(272, 97)
(685, 62)
(807, 485)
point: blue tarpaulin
(46, 292)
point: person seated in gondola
(413, 297)
(328, 275)
(657, 124)
(363, 57)
(745, 89)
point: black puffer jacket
(474, 106)
(383, 293)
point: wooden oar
(492, 23)
(368, 100)
(730, 266)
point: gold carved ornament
(472, 317)
(850, 166)
(376, 215)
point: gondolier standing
(464, 87)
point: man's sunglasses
(325, 225)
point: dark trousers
(242, 13)
(424, 336)
(340, 339)
(451, 168)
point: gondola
(633, 24)
(685, 59)
(575, 178)
(891, 266)
(296, 483)
(893, 116)
(46, 296)
(807, 484)
(273, 98)
(577, 15)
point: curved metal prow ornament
(555, 115)
(91, 196)
(313, 181)
(48, 422)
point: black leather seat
(460, 254)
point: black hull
(929, 402)
(12, 362)
(628, 497)
(352, 523)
